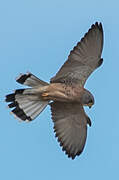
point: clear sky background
(36, 36)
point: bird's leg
(45, 94)
(54, 92)
(43, 91)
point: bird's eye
(91, 101)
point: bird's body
(62, 92)
(65, 93)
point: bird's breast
(64, 93)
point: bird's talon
(45, 94)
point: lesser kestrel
(65, 93)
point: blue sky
(37, 36)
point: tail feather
(27, 104)
(26, 107)
(29, 79)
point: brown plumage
(65, 94)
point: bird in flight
(65, 93)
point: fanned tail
(26, 103)
(29, 79)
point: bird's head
(87, 99)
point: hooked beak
(90, 105)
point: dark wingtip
(71, 155)
(98, 25)
(79, 152)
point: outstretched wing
(70, 126)
(83, 59)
